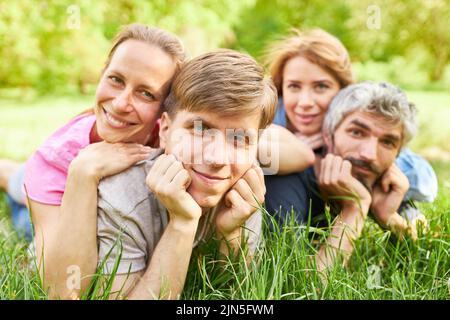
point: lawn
(380, 268)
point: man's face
(215, 150)
(369, 142)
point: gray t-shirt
(131, 220)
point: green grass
(282, 270)
(24, 125)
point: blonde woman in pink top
(62, 176)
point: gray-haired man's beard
(364, 182)
(368, 166)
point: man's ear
(164, 127)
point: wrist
(228, 235)
(385, 219)
(362, 206)
(79, 169)
(183, 225)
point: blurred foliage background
(60, 45)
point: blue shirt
(295, 196)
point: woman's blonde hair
(316, 45)
(160, 38)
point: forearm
(295, 156)
(72, 247)
(340, 243)
(282, 151)
(230, 245)
(166, 273)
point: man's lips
(363, 170)
(209, 178)
(115, 121)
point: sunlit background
(51, 52)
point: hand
(419, 222)
(388, 194)
(240, 202)
(168, 180)
(314, 142)
(335, 178)
(103, 159)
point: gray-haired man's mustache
(364, 164)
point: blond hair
(160, 38)
(316, 45)
(225, 82)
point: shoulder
(410, 160)
(125, 190)
(65, 143)
(46, 170)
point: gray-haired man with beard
(365, 128)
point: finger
(154, 174)
(336, 170)
(260, 174)
(235, 200)
(246, 192)
(172, 171)
(158, 161)
(328, 169)
(164, 164)
(135, 158)
(131, 156)
(394, 168)
(322, 169)
(182, 179)
(131, 147)
(346, 168)
(231, 198)
(386, 181)
(254, 182)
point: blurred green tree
(372, 30)
(54, 45)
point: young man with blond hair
(203, 182)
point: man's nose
(368, 149)
(215, 151)
(123, 102)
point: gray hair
(380, 98)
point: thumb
(231, 198)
